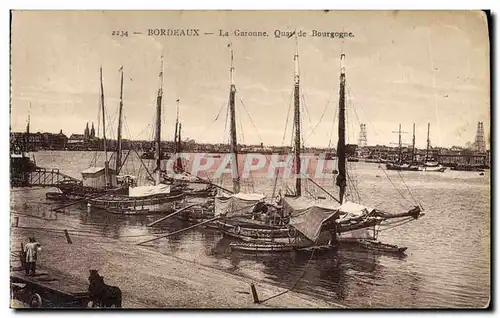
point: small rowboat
(381, 247)
(56, 196)
(263, 247)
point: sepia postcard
(250, 159)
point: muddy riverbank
(150, 279)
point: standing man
(31, 250)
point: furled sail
(237, 204)
(308, 216)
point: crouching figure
(103, 295)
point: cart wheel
(93, 304)
(35, 301)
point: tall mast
(428, 141)
(158, 127)
(27, 135)
(178, 163)
(234, 144)
(296, 98)
(413, 145)
(119, 135)
(176, 128)
(341, 177)
(178, 146)
(400, 143)
(106, 163)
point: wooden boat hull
(467, 168)
(433, 168)
(56, 196)
(253, 232)
(137, 205)
(197, 216)
(199, 193)
(377, 246)
(75, 191)
(391, 166)
(263, 247)
(278, 247)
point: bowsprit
(174, 32)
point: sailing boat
(237, 211)
(400, 164)
(96, 180)
(313, 225)
(20, 162)
(192, 186)
(144, 199)
(430, 165)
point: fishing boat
(192, 186)
(259, 220)
(263, 247)
(430, 165)
(145, 199)
(376, 246)
(467, 167)
(151, 155)
(97, 180)
(305, 223)
(195, 210)
(401, 164)
(20, 161)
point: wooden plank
(61, 285)
(171, 214)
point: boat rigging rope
(240, 126)
(306, 110)
(202, 133)
(251, 120)
(395, 224)
(287, 117)
(225, 123)
(354, 187)
(352, 105)
(321, 117)
(297, 281)
(332, 129)
(400, 193)
(409, 191)
(363, 111)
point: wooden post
(254, 294)
(22, 257)
(67, 237)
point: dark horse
(103, 295)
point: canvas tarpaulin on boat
(185, 177)
(350, 210)
(238, 204)
(308, 216)
(143, 191)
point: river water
(447, 263)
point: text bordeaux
(174, 32)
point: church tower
(92, 131)
(86, 132)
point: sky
(402, 67)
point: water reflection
(337, 274)
(457, 208)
